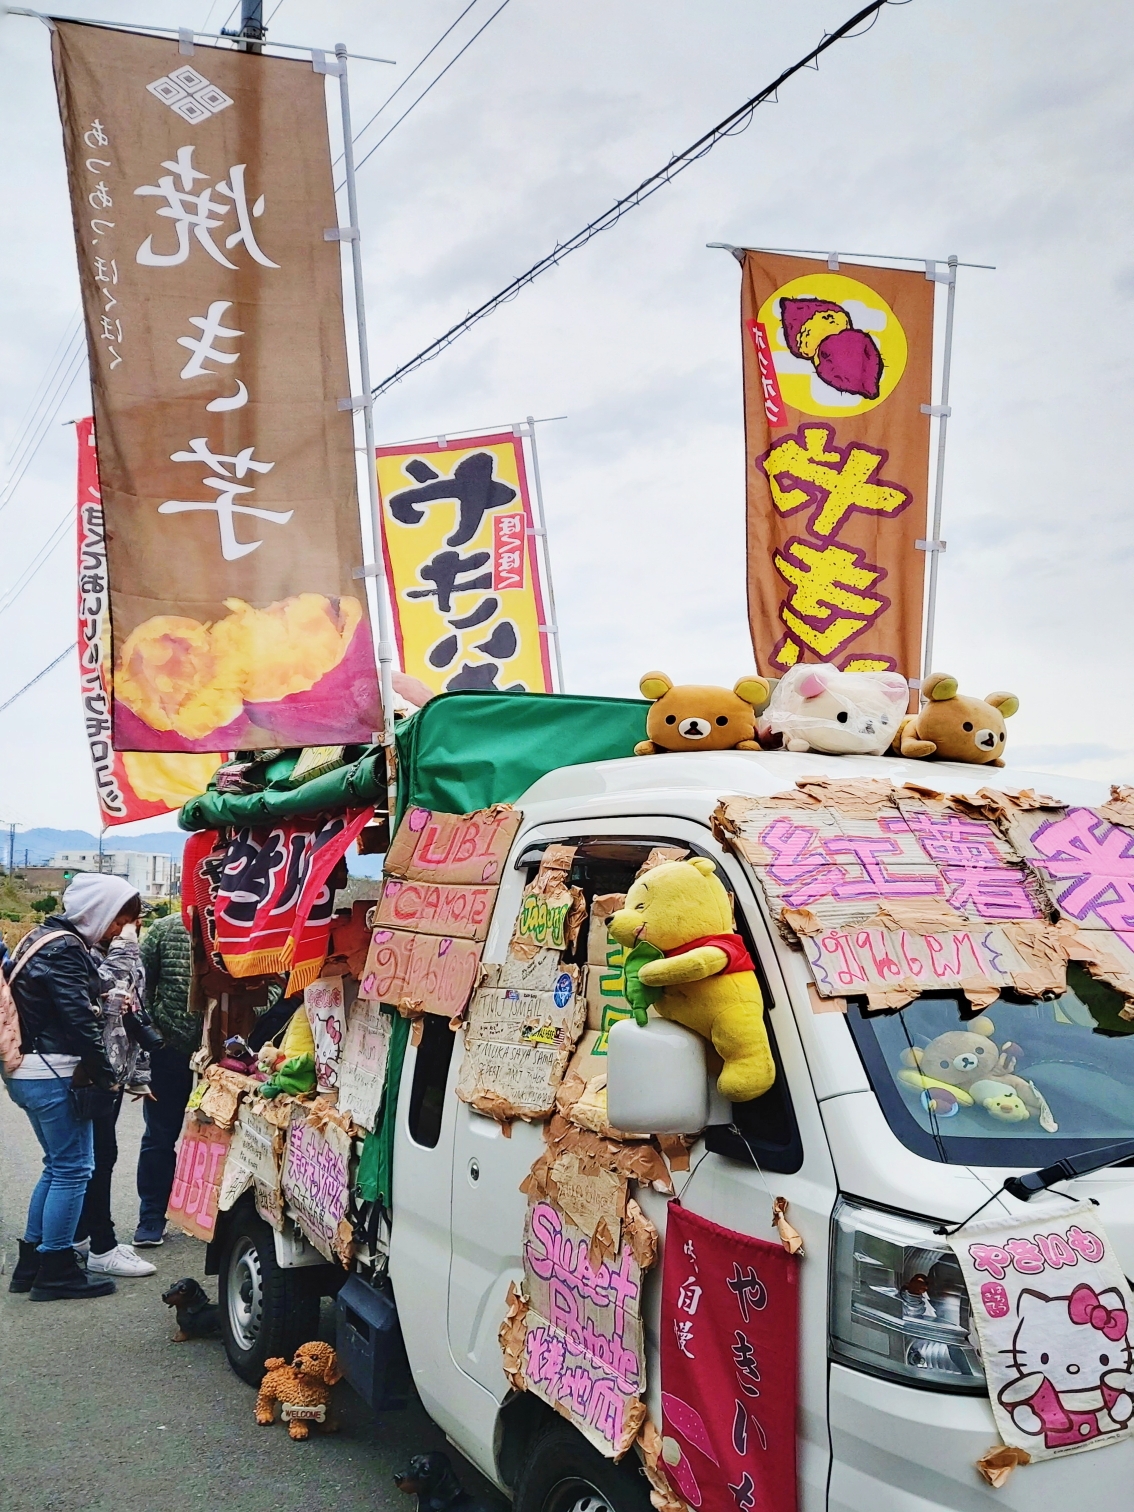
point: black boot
(60, 1277)
(27, 1268)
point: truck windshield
(1020, 1084)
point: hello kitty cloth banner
(1053, 1315)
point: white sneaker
(120, 1261)
(82, 1246)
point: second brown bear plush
(953, 728)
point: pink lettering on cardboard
(435, 972)
(1089, 864)
(441, 908)
(430, 846)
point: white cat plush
(819, 708)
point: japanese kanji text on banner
(130, 784)
(836, 369)
(200, 192)
(461, 565)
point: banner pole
(935, 545)
(385, 644)
(541, 531)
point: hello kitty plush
(1073, 1357)
(822, 709)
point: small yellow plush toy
(705, 973)
(696, 718)
(953, 728)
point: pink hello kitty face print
(1072, 1356)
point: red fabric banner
(729, 1367)
(273, 907)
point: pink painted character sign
(1053, 1313)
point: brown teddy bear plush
(964, 1067)
(952, 728)
(695, 718)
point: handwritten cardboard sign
(195, 1194)
(316, 1183)
(1052, 1310)
(584, 1352)
(536, 973)
(432, 972)
(551, 912)
(254, 1161)
(466, 848)
(440, 908)
(326, 1013)
(362, 1068)
(517, 1045)
(847, 962)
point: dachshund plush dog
(303, 1389)
(197, 1318)
(431, 1479)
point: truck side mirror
(656, 1078)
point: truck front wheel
(265, 1310)
(562, 1472)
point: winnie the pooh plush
(953, 728)
(965, 1068)
(696, 718)
(705, 973)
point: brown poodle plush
(303, 1389)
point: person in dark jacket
(55, 995)
(167, 955)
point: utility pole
(11, 849)
(252, 25)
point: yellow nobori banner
(461, 564)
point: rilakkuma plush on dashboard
(952, 728)
(819, 708)
(705, 973)
(696, 718)
(966, 1068)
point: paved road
(101, 1412)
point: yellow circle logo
(837, 347)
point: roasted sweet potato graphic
(821, 332)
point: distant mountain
(42, 845)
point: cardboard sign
(846, 962)
(468, 848)
(316, 1183)
(326, 1013)
(439, 908)
(362, 1068)
(431, 972)
(1052, 1310)
(551, 912)
(537, 973)
(195, 1194)
(584, 1352)
(254, 1161)
(517, 1045)
(599, 942)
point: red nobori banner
(836, 369)
(200, 190)
(729, 1367)
(130, 784)
(461, 564)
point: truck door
(772, 1147)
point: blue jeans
(171, 1084)
(68, 1161)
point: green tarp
(463, 751)
(466, 751)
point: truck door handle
(474, 1171)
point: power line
(38, 562)
(49, 668)
(410, 108)
(421, 61)
(55, 388)
(730, 126)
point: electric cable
(421, 61)
(410, 108)
(732, 125)
(37, 563)
(73, 325)
(49, 668)
(58, 386)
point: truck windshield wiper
(1025, 1187)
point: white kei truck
(893, 1409)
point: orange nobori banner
(461, 564)
(836, 368)
(130, 784)
(200, 192)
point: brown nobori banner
(201, 188)
(836, 368)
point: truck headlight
(899, 1308)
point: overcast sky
(996, 129)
